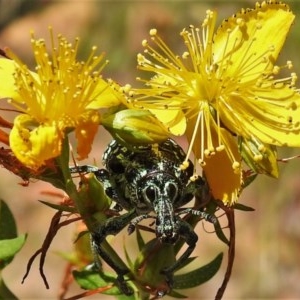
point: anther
(276, 70)
(289, 64)
(262, 148)
(258, 157)
(194, 177)
(153, 32)
(220, 148)
(184, 165)
(201, 162)
(236, 166)
(240, 22)
(126, 88)
(185, 55)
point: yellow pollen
(184, 165)
(258, 157)
(144, 43)
(263, 4)
(185, 55)
(289, 64)
(240, 22)
(276, 70)
(126, 88)
(220, 148)
(201, 162)
(153, 32)
(294, 78)
(194, 177)
(209, 152)
(236, 165)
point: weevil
(148, 183)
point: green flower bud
(134, 126)
(260, 157)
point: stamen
(191, 144)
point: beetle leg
(202, 214)
(136, 220)
(102, 175)
(112, 227)
(84, 169)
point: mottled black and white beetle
(147, 182)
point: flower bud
(260, 157)
(134, 126)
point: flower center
(62, 87)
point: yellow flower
(225, 85)
(62, 95)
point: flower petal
(7, 87)
(250, 36)
(33, 147)
(224, 183)
(271, 115)
(172, 119)
(105, 96)
(85, 133)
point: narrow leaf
(243, 207)
(60, 207)
(175, 294)
(198, 276)
(140, 240)
(8, 229)
(5, 292)
(91, 279)
(220, 234)
(8, 249)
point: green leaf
(249, 177)
(175, 294)
(60, 207)
(187, 262)
(9, 248)
(8, 228)
(91, 280)
(220, 234)
(128, 259)
(10, 244)
(198, 276)
(140, 240)
(5, 292)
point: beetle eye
(150, 193)
(172, 190)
